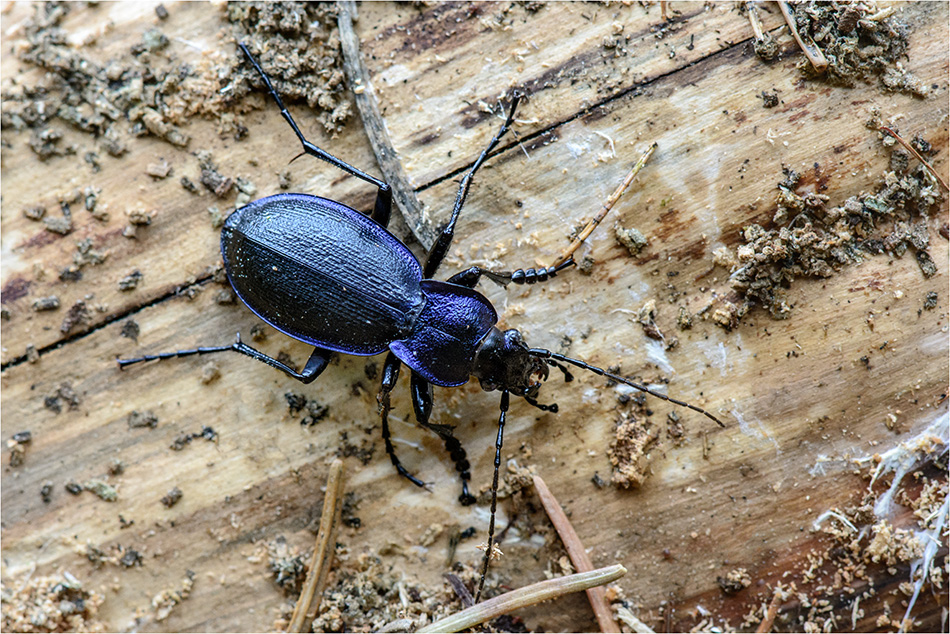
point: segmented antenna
(553, 357)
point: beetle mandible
(335, 278)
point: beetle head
(502, 362)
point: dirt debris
(150, 90)
(165, 601)
(735, 581)
(897, 528)
(631, 239)
(861, 41)
(812, 240)
(298, 45)
(288, 565)
(629, 451)
(171, 498)
(56, 603)
(367, 595)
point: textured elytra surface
(322, 273)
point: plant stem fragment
(812, 52)
(910, 148)
(567, 253)
(577, 553)
(523, 597)
(322, 558)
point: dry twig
(771, 613)
(306, 609)
(577, 553)
(910, 148)
(596, 220)
(812, 52)
(393, 172)
(523, 597)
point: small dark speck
(171, 498)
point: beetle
(337, 279)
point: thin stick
(523, 597)
(812, 52)
(393, 171)
(910, 148)
(614, 197)
(766, 624)
(630, 620)
(306, 608)
(577, 553)
(756, 22)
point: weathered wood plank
(795, 392)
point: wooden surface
(795, 394)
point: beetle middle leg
(382, 210)
(316, 364)
(422, 405)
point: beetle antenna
(550, 357)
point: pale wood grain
(798, 385)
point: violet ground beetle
(335, 278)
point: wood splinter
(524, 597)
(577, 553)
(910, 148)
(766, 625)
(320, 562)
(753, 14)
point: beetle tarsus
(470, 276)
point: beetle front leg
(315, 365)
(390, 376)
(499, 440)
(444, 240)
(422, 405)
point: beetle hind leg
(384, 196)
